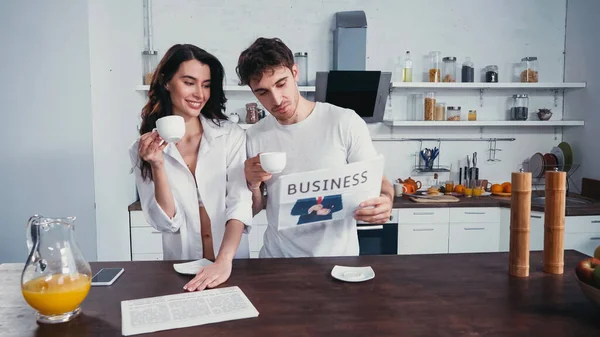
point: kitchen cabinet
(423, 215)
(536, 230)
(146, 242)
(582, 233)
(504, 230)
(255, 239)
(474, 230)
(422, 238)
(474, 238)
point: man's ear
(295, 72)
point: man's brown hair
(264, 54)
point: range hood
(349, 84)
(363, 91)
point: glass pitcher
(56, 278)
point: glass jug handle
(32, 231)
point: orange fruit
(504, 184)
(497, 188)
(507, 188)
(459, 189)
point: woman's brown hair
(159, 100)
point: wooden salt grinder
(520, 212)
(554, 222)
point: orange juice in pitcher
(56, 294)
(56, 278)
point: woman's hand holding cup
(151, 147)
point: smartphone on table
(106, 276)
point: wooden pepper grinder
(520, 211)
(554, 222)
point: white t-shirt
(329, 137)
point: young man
(315, 136)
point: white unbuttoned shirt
(220, 181)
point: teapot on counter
(410, 185)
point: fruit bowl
(592, 293)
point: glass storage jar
(434, 66)
(520, 107)
(429, 106)
(453, 113)
(529, 69)
(449, 73)
(252, 113)
(414, 107)
(150, 61)
(301, 60)
(491, 73)
(440, 111)
(472, 116)
(468, 71)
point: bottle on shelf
(407, 68)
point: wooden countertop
(490, 201)
(417, 295)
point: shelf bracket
(481, 97)
(555, 97)
(556, 128)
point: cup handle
(419, 185)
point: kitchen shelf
(486, 123)
(233, 88)
(485, 85)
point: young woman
(194, 191)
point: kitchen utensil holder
(432, 167)
(493, 148)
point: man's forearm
(387, 189)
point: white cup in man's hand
(273, 162)
(171, 128)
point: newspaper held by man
(328, 194)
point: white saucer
(192, 267)
(352, 274)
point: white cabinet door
(474, 237)
(584, 243)
(422, 239)
(146, 240)
(137, 219)
(255, 239)
(582, 224)
(423, 215)
(474, 214)
(536, 230)
(504, 229)
(536, 233)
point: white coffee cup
(398, 189)
(273, 162)
(171, 128)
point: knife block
(520, 212)
(554, 222)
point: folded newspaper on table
(184, 310)
(329, 194)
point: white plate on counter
(192, 267)
(352, 274)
